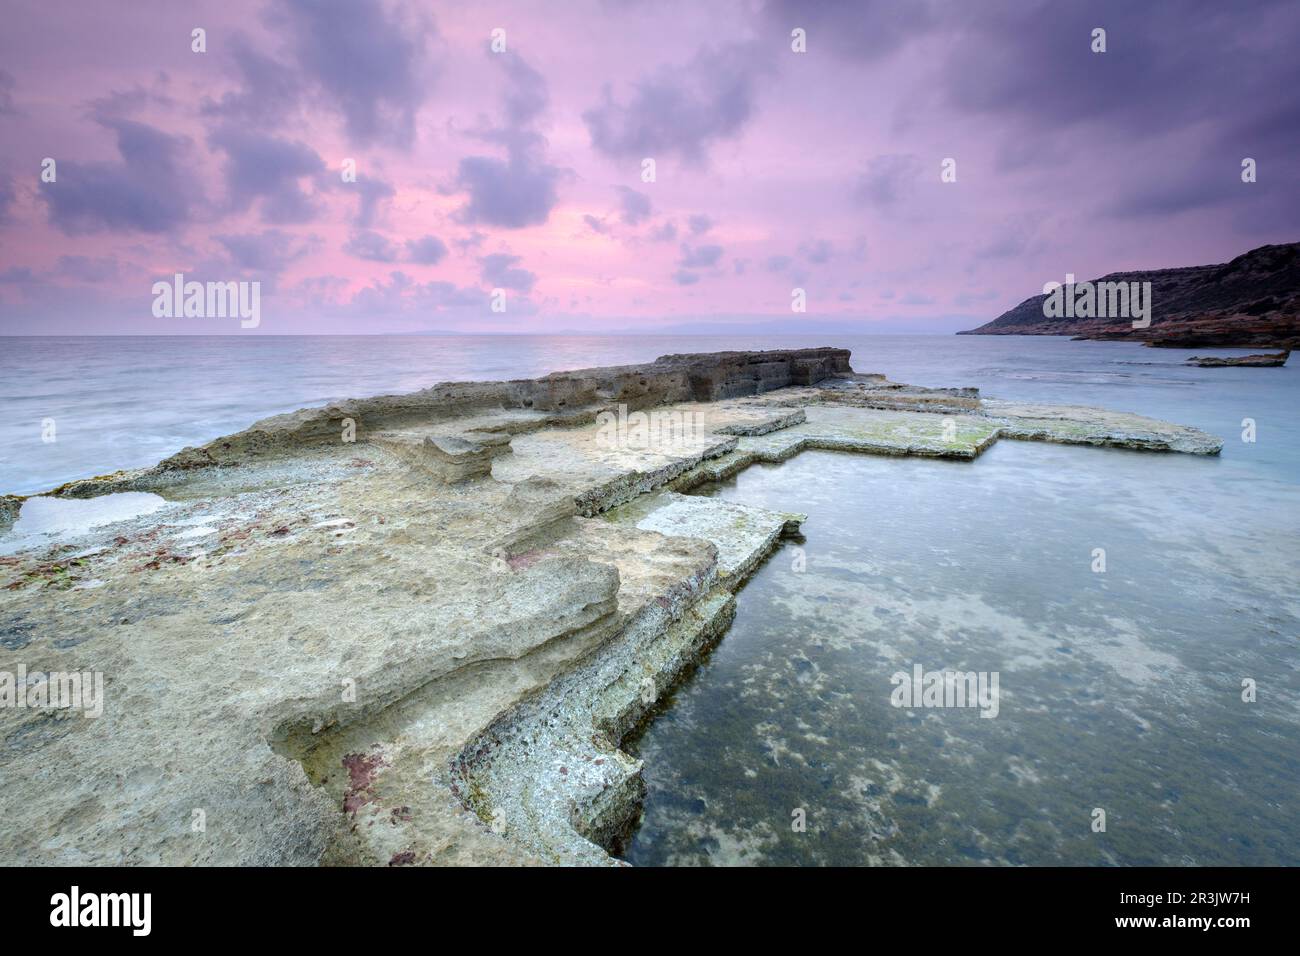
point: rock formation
(1254, 300)
(1275, 360)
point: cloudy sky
(522, 170)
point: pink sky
(522, 170)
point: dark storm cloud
(146, 192)
(366, 62)
(268, 169)
(681, 110)
(499, 271)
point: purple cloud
(269, 91)
(147, 191)
(498, 271)
(371, 246)
(817, 251)
(664, 232)
(700, 257)
(886, 180)
(860, 30)
(681, 111)
(521, 189)
(636, 206)
(270, 170)
(426, 251)
(6, 195)
(364, 60)
(87, 268)
(269, 251)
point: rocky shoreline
(415, 629)
(1252, 301)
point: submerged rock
(1274, 360)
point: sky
(502, 185)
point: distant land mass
(1252, 300)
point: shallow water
(1118, 690)
(44, 520)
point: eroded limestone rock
(10, 505)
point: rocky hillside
(1252, 300)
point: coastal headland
(414, 629)
(1253, 300)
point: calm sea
(128, 402)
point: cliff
(1252, 300)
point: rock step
(549, 773)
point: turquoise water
(128, 402)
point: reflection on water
(43, 519)
(1119, 690)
